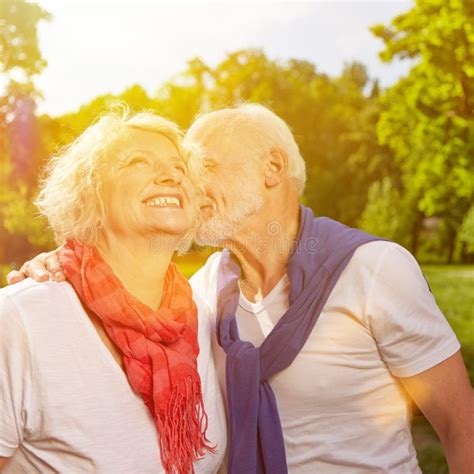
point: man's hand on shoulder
(41, 268)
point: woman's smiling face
(146, 187)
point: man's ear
(276, 167)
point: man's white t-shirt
(341, 405)
(65, 404)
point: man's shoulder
(381, 258)
(373, 254)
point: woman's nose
(169, 176)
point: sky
(105, 46)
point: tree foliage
(382, 159)
(21, 232)
(466, 232)
(333, 119)
(387, 212)
(19, 38)
(428, 117)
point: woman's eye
(138, 161)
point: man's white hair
(263, 131)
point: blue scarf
(323, 249)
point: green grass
(453, 288)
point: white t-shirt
(65, 404)
(341, 406)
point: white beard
(220, 226)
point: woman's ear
(276, 167)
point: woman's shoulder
(18, 304)
(30, 297)
(30, 288)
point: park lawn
(453, 289)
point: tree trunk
(452, 234)
(415, 234)
(464, 255)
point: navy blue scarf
(323, 249)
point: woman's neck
(140, 265)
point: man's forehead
(217, 144)
(222, 140)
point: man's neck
(263, 248)
(139, 265)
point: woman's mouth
(163, 201)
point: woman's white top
(65, 404)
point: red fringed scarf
(159, 350)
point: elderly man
(324, 334)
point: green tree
(19, 48)
(185, 95)
(428, 119)
(61, 130)
(20, 60)
(466, 232)
(332, 118)
(387, 213)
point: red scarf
(159, 350)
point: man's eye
(181, 167)
(209, 165)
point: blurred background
(379, 95)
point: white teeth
(163, 202)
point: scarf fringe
(182, 428)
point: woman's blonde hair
(71, 192)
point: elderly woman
(112, 370)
